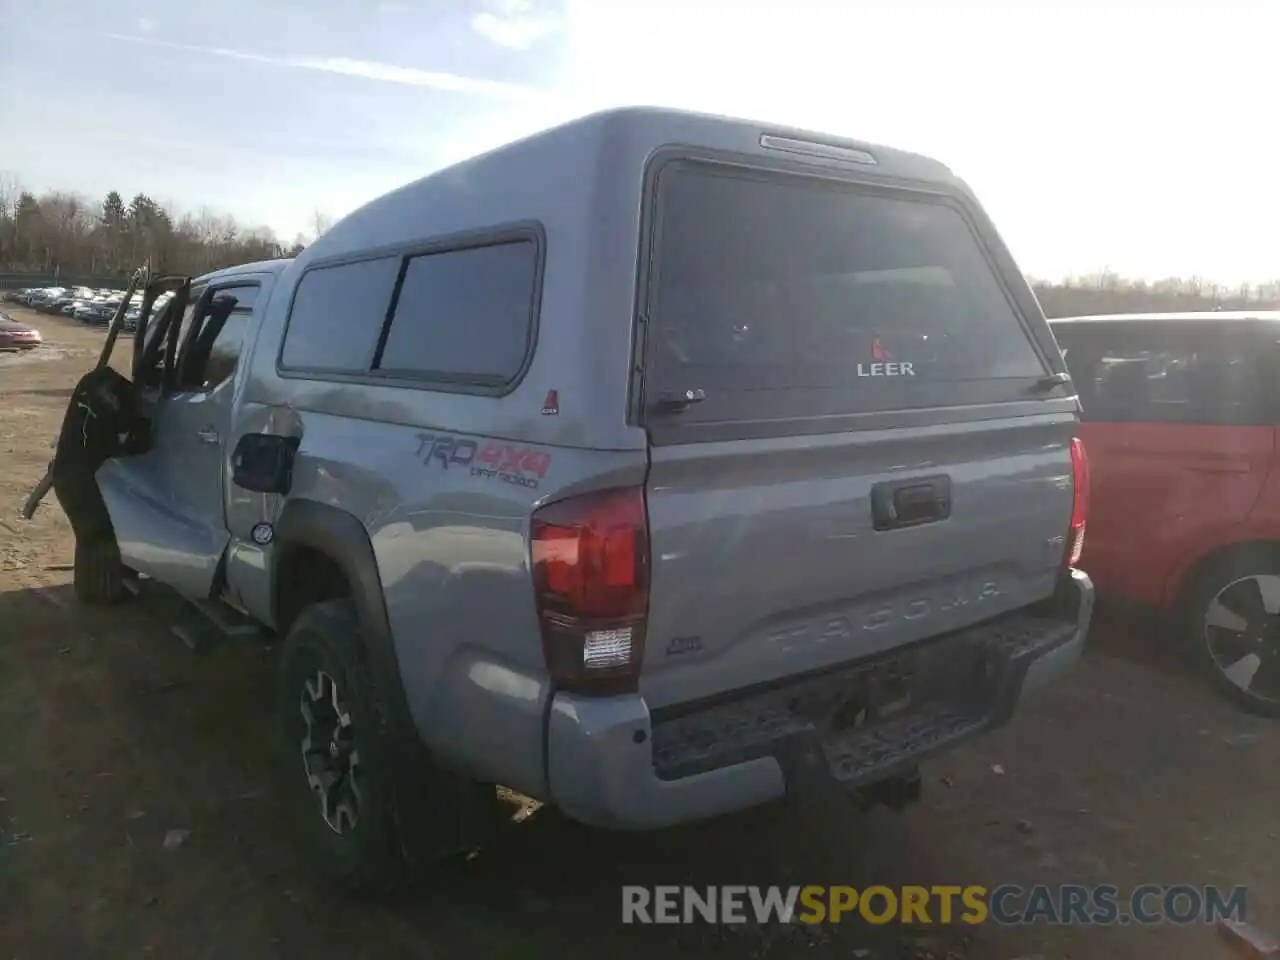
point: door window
(216, 361)
(1151, 373)
(224, 353)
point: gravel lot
(112, 735)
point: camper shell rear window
(780, 296)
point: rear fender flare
(343, 538)
(438, 813)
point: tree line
(1106, 292)
(68, 235)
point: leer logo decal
(883, 364)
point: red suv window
(1165, 373)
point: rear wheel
(371, 803)
(1232, 621)
(334, 754)
(98, 571)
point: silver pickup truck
(655, 466)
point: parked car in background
(65, 302)
(17, 336)
(39, 298)
(1180, 421)
(17, 295)
(100, 310)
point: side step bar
(207, 624)
(201, 625)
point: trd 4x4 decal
(445, 450)
(521, 466)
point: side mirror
(263, 462)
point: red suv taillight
(590, 561)
(1079, 501)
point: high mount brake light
(590, 561)
(1079, 501)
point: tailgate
(767, 562)
(853, 446)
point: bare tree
(10, 196)
(320, 223)
(10, 191)
(65, 234)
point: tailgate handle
(909, 503)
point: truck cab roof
(260, 266)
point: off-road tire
(99, 573)
(412, 812)
(326, 637)
(1194, 603)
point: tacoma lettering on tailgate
(877, 618)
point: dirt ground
(112, 734)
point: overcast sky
(1130, 134)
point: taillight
(590, 562)
(1079, 501)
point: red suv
(1180, 415)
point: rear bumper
(610, 763)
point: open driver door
(110, 422)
